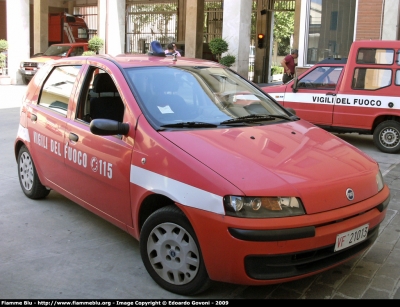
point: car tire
(171, 253)
(387, 136)
(28, 178)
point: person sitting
(171, 50)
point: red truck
(357, 94)
(66, 28)
(29, 67)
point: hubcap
(390, 137)
(173, 253)
(26, 171)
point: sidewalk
(11, 96)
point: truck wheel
(387, 136)
(28, 177)
(171, 254)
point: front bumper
(301, 263)
(249, 259)
(27, 73)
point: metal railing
(146, 22)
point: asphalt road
(55, 249)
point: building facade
(322, 27)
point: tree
(283, 30)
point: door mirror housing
(103, 126)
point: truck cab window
(82, 33)
(371, 79)
(76, 51)
(324, 77)
(375, 56)
(397, 81)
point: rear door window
(57, 89)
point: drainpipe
(382, 17)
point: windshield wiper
(253, 118)
(189, 125)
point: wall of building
(3, 20)
(369, 19)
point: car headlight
(379, 181)
(262, 207)
(21, 64)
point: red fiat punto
(214, 178)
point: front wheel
(171, 253)
(28, 177)
(387, 136)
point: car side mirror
(291, 111)
(103, 126)
(295, 84)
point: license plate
(351, 237)
(29, 72)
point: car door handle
(73, 137)
(33, 117)
(330, 94)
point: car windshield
(201, 97)
(56, 50)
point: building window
(330, 29)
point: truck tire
(171, 253)
(387, 136)
(28, 178)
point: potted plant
(217, 47)
(2, 62)
(87, 53)
(3, 56)
(95, 44)
(227, 60)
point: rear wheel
(387, 136)
(171, 253)
(28, 178)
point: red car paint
(124, 178)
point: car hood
(284, 159)
(43, 59)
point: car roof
(142, 60)
(70, 44)
(376, 44)
(333, 61)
